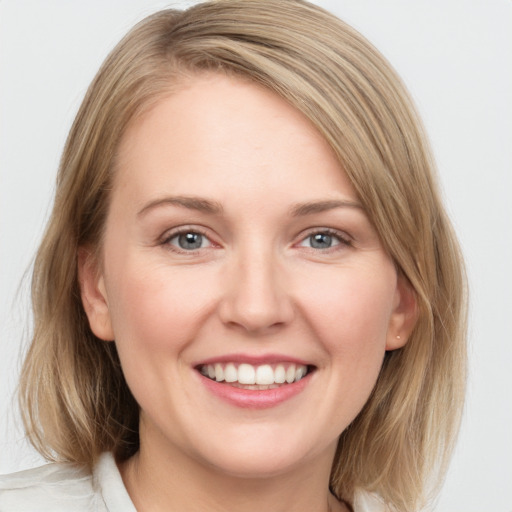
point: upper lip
(253, 359)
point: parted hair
(74, 399)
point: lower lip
(255, 399)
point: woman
(248, 295)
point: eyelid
(344, 238)
(168, 235)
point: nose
(255, 297)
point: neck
(157, 483)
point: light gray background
(454, 55)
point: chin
(263, 455)
(259, 465)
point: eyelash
(343, 239)
(184, 230)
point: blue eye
(324, 240)
(189, 241)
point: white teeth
(279, 374)
(264, 376)
(219, 373)
(290, 374)
(246, 374)
(299, 373)
(230, 373)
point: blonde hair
(75, 401)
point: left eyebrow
(321, 206)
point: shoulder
(53, 487)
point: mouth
(255, 377)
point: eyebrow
(191, 203)
(313, 207)
(215, 208)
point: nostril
(255, 301)
(256, 320)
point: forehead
(218, 130)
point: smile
(257, 377)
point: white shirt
(68, 488)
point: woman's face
(236, 250)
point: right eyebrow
(190, 202)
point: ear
(404, 315)
(93, 294)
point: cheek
(351, 312)
(156, 312)
(156, 306)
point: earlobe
(404, 315)
(93, 295)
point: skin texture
(256, 287)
